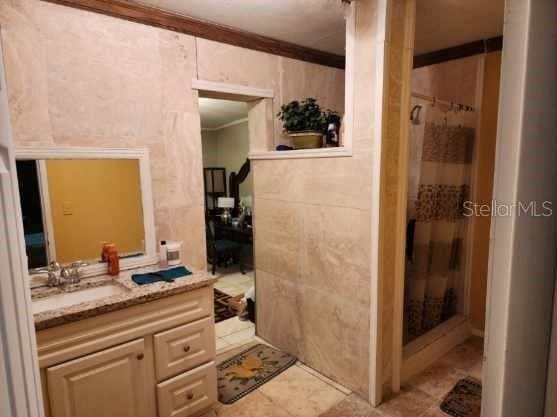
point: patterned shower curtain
(438, 186)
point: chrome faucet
(60, 275)
(71, 273)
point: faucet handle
(54, 266)
(51, 267)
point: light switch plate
(67, 208)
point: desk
(238, 234)
(242, 235)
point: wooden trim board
(151, 16)
(461, 51)
(226, 91)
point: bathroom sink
(72, 298)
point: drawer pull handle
(190, 396)
(140, 356)
(186, 348)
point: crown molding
(151, 16)
(224, 126)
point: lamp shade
(246, 201)
(225, 202)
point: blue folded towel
(167, 275)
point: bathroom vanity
(108, 347)
(137, 351)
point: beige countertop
(132, 294)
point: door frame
(523, 251)
(516, 65)
(260, 130)
(48, 225)
(20, 386)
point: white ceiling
(216, 113)
(444, 23)
(320, 24)
(315, 24)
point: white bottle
(163, 255)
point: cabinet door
(109, 383)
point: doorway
(448, 163)
(228, 185)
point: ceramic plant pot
(306, 140)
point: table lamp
(225, 203)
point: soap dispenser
(163, 255)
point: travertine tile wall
(313, 231)
(77, 78)
(399, 44)
(454, 80)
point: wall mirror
(73, 200)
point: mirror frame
(150, 256)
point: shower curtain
(439, 170)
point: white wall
(523, 248)
(20, 393)
(210, 148)
(228, 147)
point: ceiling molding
(461, 51)
(224, 126)
(134, 12)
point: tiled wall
(77, 78)
(83, 79)
(313, 232)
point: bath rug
(222, 311)
(248, 370)
(464, 400)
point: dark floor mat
(464, 400)
(222, 310)
(248, 370)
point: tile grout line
(273, 402)
(345, 391)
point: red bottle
(113, 261)
(106, 246)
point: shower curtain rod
(435, 100)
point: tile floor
(233, 332)
(423, 394)
(231, 281)
(302, 392)
(297, 392)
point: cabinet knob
(189, 396)
(186, 348)
(140, 356)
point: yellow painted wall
(485, 166)
(94, 201)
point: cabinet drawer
(184, 347)
(188, 393)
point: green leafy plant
(303, 116)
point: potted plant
(304, 123)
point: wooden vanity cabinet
(153, 359)
(111, 382)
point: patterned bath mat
(464, 400)
(222, 311)
(250, 369)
